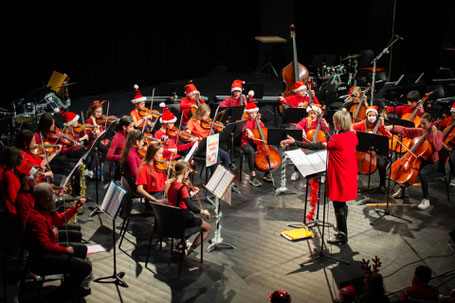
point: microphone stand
(384, 51)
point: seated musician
(372, 118)
(150, 181)
(248, 144)
(450, 121)
(71, 123)
(47, 257)
(130, 160)
(10, 161)
(139, 112)
(307, 124)
(355, 93)
(412, 99)
(190, 101)
(300, 99)
(236, 98)
(195, 127)
(172, 146)
(429, 166)
(124, 126)
(179, 196)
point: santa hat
(452, 109)
(251, 106)
(190, 89)
(167, 116)
(372, 109)
(27, 170)
(315, 107)
(69, 118)
(237, 85)
(137, 95)
(299, 86)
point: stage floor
(262, 260)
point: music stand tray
(293, 115)
(276, 135)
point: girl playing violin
(248, 144)
(368, 125)
(72, 122)
(428, 167)
(355, 93)
(150, 182)
(301, 98)
(124, 126)
(195, 127)
(96, 112)
(236, 98)
(190, 101)
(412, 99)
(179, 196)
(130, 160)
(172, 146)
(140, 114)
(10, 161)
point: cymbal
(350, 57)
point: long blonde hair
(352, 91)
(179, 169)
(200, 111)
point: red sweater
(41, 239)
(115, 150)
(9, 187)
(185, 108)
(228, 102)
(250, 124)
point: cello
(294, 71)
(266, 158)
(317, 135)
(448, 136)
(358, 110)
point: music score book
(308, 164)
(220, 181)
(113, 199)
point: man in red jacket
(47, 256)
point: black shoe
(82, 291)
(255, 182)
(338, 239)
(268, 177)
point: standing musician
(151, 181)
(179, 196)
(236, 98)
(355, 93)
(448, 122)
(190, 101)
(248, 144)
(172, 146)
(429, 166)
(130, 160)
(412, 99)
(195, 127)
(301, 98)
(124, 126)
(140, 114)
(307, 124)
(368, 125)
(341, 173)
(10, 161)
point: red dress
(342, 168)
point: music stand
(293, 115)
(372, 143)
(231, 113)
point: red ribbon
(314, 198)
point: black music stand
(231, 113)
(373, 143)
(293, 115)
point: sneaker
(295, 176)
(337, 239)
(267, 177)
(255, 182)
(452, 183)
(424, 204)
(399, 193)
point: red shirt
(185, 108)
(168, 143)
(173, 192)
(435, 140)
(298, 101)
(404, 109)
(24, 205)
(417, 293)
(115, 150)
(250, 124)
(150, 178)
(361, 127)
(313, 125)
(9, 187)
(229, 101)
(196, 129)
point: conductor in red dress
(341, 170)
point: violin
(55, 134)
(218, 126)
(145, 112)
(102, 120)
(359, 110)
(405, 170)
(163, 164)
(80, 127)
(266, 157)
(185, 135)
(192, 188)
(37, 149)
(198, 102)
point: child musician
(301, 98)
(124, 126)
(412, 99)
(10, 161)
(447, 123)
(248, 144)
(190, 101)
(130, 160)
(150, 181)
(341, 173)
(355, 93)
(172, 146)
(236, 98)
(429, 166)
(96, 112)
(368, 125)
(195, 127)
(179, 196)
(138, 113)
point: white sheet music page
(193, 149)
(318, 160)
(220, 181)
(307, 164)
(108, 196)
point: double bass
(294, 71)
(266, 158)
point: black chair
(170, 223)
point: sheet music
(220, 181)
(193, 149)
(108, 195)
(308, 164)
(113, 199)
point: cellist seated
(301, 98)
(412, 99)
(248, 145)
(355, 93)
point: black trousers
(250, 152)
(427, 169)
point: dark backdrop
(111, 45)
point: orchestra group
(149, 156)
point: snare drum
(50, 104)
(24, 112)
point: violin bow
(45, 153)
(196, 194)
(107, 114)
(83, 122)
(151, 108)
(213, 120)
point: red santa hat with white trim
(69, 117)
(251, 107)
(237, 85)
(28, 170)
(372, 109)
(299, 86)
(167, 116)
(452, 109)
(315, 107)
(137, 95)
(190, 89)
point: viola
(218, 126)
(141, 152)
(163, 164)
(185, 135)
(145, 112)
(359, 110)
(266, 157)
(55, 134)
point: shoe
(255, 182)
(452, 183)
(424, 204)
(89, 174)
(188, 251)
(267, 177)
(83, 291)
(295, 176)
(399, 193)
(338, 239)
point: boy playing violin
(140, 114)
(190, 101)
